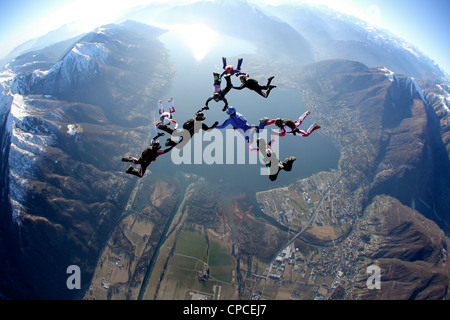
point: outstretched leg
(262, 124)
(266, 94)
(259, 91)
(286, 166)
(239, 64)
(130, 159)
(217, 82)
(171, 105)
(274, 176)
(135, 172)
(288, 162)
(299, 121)
(224, 62)
(160, 106)
(228, 86)
(310, 130)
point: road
(294, 237)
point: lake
(194, 84)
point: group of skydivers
(236, 120)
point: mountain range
(71, 109)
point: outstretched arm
(161, 151)
(208, 100)
(174, 122)
(224, 124)
(156, 127)
(206, 128)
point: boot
(133, 171)
(290, 159)
(268, 90)
(287, 165)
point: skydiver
(254, 85)
(229, 69)
(290, 126)
(166, 118)
(148, 156)
(270, 159)
(239, 122)
(219, 94)
(190, 127)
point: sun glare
(200, 39)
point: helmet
(278, 122)
(229, 68)
(243, 78)
(199, 116)
(216, 97)
(164, 116)
(231, 110)
(155, 144)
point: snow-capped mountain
(338, 36)
(30, 127)
(80, 65)
(63, 130)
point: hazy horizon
(418, 22)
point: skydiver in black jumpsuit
(253, 84)
(219, 94)
(148, 156)
(190, 127)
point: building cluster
(279, 265)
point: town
(317, 214)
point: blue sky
(424, 23)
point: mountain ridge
(72, 192)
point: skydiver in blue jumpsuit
(239, 122)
